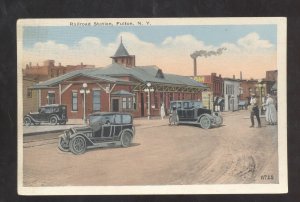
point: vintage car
(104, 129)
(193, 112)
(53, 114)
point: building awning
(122, 93)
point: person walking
(271, 114)
(173, 118)
(162, 111)
(254, 111)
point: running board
(104, 144)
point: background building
(231, 94)
(30, 97)
(50, 70)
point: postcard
(135, 106)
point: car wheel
(62, 145)
(218, 120)
(126, 139)
(53, 120)
(205, 122)
(27, 121)
(77, 145)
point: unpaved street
(162, 155)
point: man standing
(254, 111)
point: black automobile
(53, 114)
(193, 112)
(104, 129)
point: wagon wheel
(77, 145)
(53, 120)
(126, 139)
(62, 145)
(27, 121)
(205, 122)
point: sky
(251, 49)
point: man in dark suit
(254, 111)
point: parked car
(53, 114)
(104, 129)
(193, 112)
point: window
(127, 102)
(185, 105)
(118, 119)
(126, 119)
(74, 101)
(51, 98)
(29, 93)
(96, 100)
(134, 101)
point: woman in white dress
(162, 111)
(271, 114)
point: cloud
(172, 54)
(252, 41)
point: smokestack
(195, 67)
(241, 75)
(204, 53)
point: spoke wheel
(126, 139)
(205, 122)
(53, 120)
(62, 145)
(77, 145)
(27, 121)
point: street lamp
(84, 91)
(148, 90)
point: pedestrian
(271, 114)
(173, 118)
(254, 111)
(162, 111)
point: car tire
(27, 121)
(53, 120)
(205, 122)
(62, 147)
(126, 139)
(77, 145)
(218, 120)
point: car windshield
(102, 119)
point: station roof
(111, 73)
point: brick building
(120, 86)
(215, 84)
(50, 70)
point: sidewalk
(47, 128)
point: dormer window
(160, 74)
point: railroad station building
(121, 86)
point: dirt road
(162, 155)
